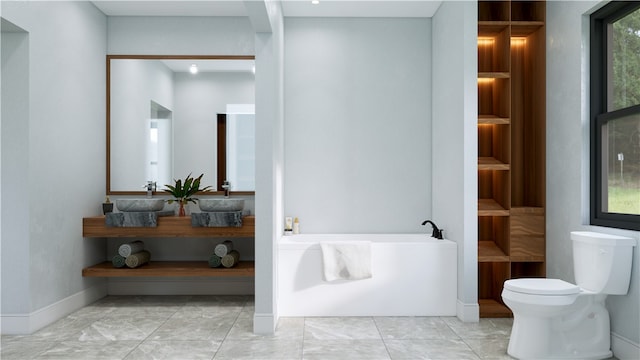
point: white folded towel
(349, 260)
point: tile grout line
(183, 305)
(382, 337)
(235, 321)
(304, 328)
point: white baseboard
(623, 348)
(264, 324)
(467, 312)
(22, 324)
(180, 286)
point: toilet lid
(541, 286)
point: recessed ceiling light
(193, 69)
(315, 2)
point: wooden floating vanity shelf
(171, 269)
(168, 227)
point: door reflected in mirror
(161, 121)
(236, 131)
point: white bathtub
(413, 275)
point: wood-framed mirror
(162, 120)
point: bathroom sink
(129, 205)
(221, 204)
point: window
(615, 115)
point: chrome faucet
(227, 188)
(151, 187)
(437, 233)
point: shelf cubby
(488, 251)
(494, 10)
(494, 95)
(493, 191)
(491, 308)
(494, 142)
(530, 269)
(493, 49)
(528, 11)
(493, 237)
(492, 276)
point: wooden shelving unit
(511, 147)
(168, 227)
(170, 269)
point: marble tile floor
(220, 327)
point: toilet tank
(602, 262)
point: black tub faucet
(437, 233)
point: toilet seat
(540, 292)
(536, 286)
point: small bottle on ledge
(107, 206)
(296, 226)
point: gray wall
(15, 160)
(358, 124)
(180, 35)
(567, 156)
(62, 175)
(269, 158)
(455, 141)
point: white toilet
(553, 319)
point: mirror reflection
(162, 121)
(236, 140)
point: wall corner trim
(467, 312)
(264, 324)
(624, 348)
(23, 324)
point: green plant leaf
(184, 192)
(187, 183)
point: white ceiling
(171, 8)
(361, 8)
(326, 8)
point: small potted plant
(183, 191)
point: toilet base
(536, 339)
(580, 331)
